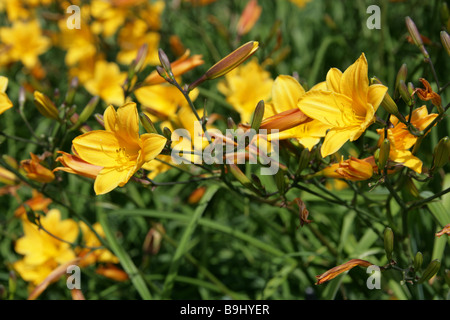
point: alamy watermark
(374, 20)
(74, 20)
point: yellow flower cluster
(49, 246)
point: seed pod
(418, 260)
(388, 243)
(441, 153)
(430, 271)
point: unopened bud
(240, 176)
(280, 181)
(86, 113)
(167, 133)
(45, 106)
(196, 195)
(70, 95)
(99, 118)
(165, 62)
(383, 156)
(147, 123)
(231, 124)
(258, 115)
(415, 35)
(430, 271)
(153, 239)
(232, 60)
(401, 75)
(139, 62)
(388, 243)
(305, 157)
(441, 153)
(389, 105)
(404, 92)
(445, 39)
(418, 261)
(444, 13)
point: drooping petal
(335, 139)
(355, 84)
(97, 147)
(407, 159)
(285, 93)
(110, 178)
(328, 107)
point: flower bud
(401, 75)
(232, 60)
(231, 124)
(280, 181)
(404, 93)
(70, 95)
(240, 176)
(305, 157)
(388, 243)
(153, 239)
(249, 17)
(165, 62)
(418, 260)
(389, 105)
(45, 106)
(415, 35)
(147, 123)
(441, 153)
(196, 195)
(99, 118)
(86, 113)
(141, 56)
(430, 271)
(383, 156)
(12, 282)
(167, 133)
(445, 39)
(258, 116)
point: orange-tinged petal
(286, 91)
(76, 165)
(336, 138)
(334, 272)
(97, 147)
(445, 230)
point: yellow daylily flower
(118, 149)
(5, 103)
(107, 82)
(286, 92)
(36, 171)
(161, 101)
(401, 140)
(42, 252)
(132, 37)
(90, 256)
(348, 106)
(245, 86)
(25, 42)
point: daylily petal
(335, 139)
(3, 83)
(128, 121)
(328, 107)
(285, 93)
(333, 81)
(406, 158)
(97, 147)
(152, 145)
(355, 83)
(376, 95)
(5, 103)
(109, 178)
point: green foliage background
(229, 246)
